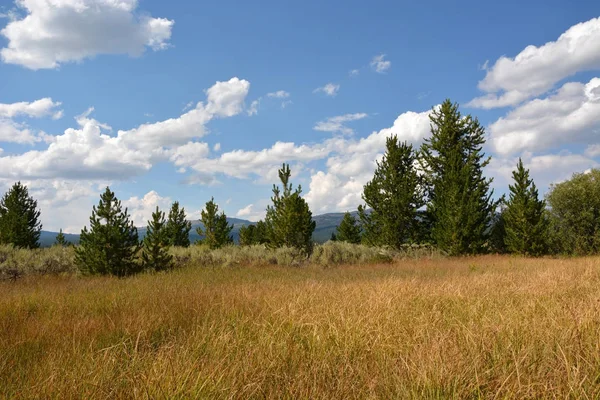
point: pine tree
(178, 228)
(155, 255)
(460, 204)
(217, 232)
(525, 222)
(289, 220)
(19, 218)
(253, 234)
(111, 243)
(394, 196)
(333, 237)
(348, 230)
(61, 240)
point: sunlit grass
(490, 327)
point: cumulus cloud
(330, 89)
(89, 151)
(35, 109)
(352, 162)
(535, 70)
(141, 209)
(379, 64)
(253, 109)
(13, 132)
(571, 115)
(336, 124)
(53, 32)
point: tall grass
(484, 327)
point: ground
(487, 327)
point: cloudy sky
(184, 100)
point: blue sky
(185, 100)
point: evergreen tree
(217, 232)
(61, 240)
(333, 237)
(394, 196)
(156, 244)
(460, 204)
(253, 234)
(525, 223)
(178, 228)
(289, 220)
(19, 218)
(348, 230)
(111, 243)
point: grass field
(484, 327)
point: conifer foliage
(348, 230)
(289, 220)
(253, 234)
(61, 240)
(155, 255)
(111, 243)
(217, 232)
(178, 228)
(19, 218)
(460, 200)
(394, 196)
(525, 222)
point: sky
(185, 100)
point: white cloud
(253, 212)
(217, 147)
(571, 115)
(54, 32)
(89, 151)
(379, 64)
(593, 150)
(336, 124)
(352, 164)
(286, 103)
(330, 89)
(141, 209)
(535, 70)
(13, 132)
(354, 72)
(253, 109)
(280, 94)
(35, 109)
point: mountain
(326, 224)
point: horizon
(180, 101)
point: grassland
(484, 327)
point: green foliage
(19, 218)
(460, 206)
(155, 255)
(178, 227)
(111, 244)
(394, 196)
(61, 240)
(575, 214)
(217, 232)
(348, 230)
(524, 218)
(253, 234)
(333, 237)
(289, 219)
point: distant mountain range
(326, 224)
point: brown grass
(485, 327)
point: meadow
(401, 327)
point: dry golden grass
(484, 327)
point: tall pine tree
(394, 196)
(460, 200)
(217, 232)
(178, 228)
(155, 255)
(289, 220)
(348, 230)
(19, 218)
(525, 223)
(111, 243)
(253, 234)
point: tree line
(436, 194)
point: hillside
(326, 224)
